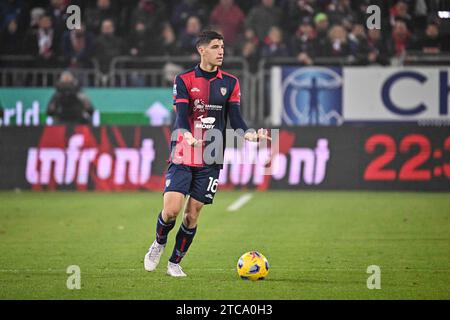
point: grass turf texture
(319, 245)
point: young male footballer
(205, 97)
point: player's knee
(171, 213)
(190, 219)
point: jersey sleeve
(180, 92)
(235, 96)
(181, 103)
(234, 105)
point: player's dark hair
(206, 36)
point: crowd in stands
(304, 29)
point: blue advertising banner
(309, 96)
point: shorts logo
(223, 91)
(168, 182)
(195, 90)
(209, 196)
(174, 90)
(205, 123)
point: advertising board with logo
(308, 96)
(129, 106)
(397, 94)
(111, 158)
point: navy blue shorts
(199, 182)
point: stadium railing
(420, 58)
(25, 71)
(159, 71)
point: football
(253, 266)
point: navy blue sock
(163, 229)
(183, 241)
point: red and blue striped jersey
(203, 101)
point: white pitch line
(240, 202)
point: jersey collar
(198, 72)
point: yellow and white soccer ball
(253, 266)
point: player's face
(212, 53)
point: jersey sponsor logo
(223, 91)
(205, 123)
(195, 90)
(201, 106)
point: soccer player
(204, 98)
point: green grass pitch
(319, 245)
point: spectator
(341, 13)
(108, 45)
(337, 43)
(248, 45)
(35, 16)
(378, 50)
(43, 43)
(303, 42)
(274, 45)
(400, 12)
(95, 16)
(263, 17)
(188, 36)
(10, 37)
(322, 24)
(168, 41)
(229, 18)
(421, 14)
(140, 44)
(69, 105)
(358, 44)
(401, 39)
(431, 42)
(78, 48)
(153, 13)
(58, 14)
(297, 10)
(14, 9)
(186, 9)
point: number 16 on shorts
(212, 185)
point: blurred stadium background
(358, 111)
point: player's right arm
(181, 103)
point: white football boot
(175, 270)
(152, 257)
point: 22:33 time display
(417, 167)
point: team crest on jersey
(223, 90)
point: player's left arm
(236, 120)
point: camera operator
(69, 105)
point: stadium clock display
(411, 157)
